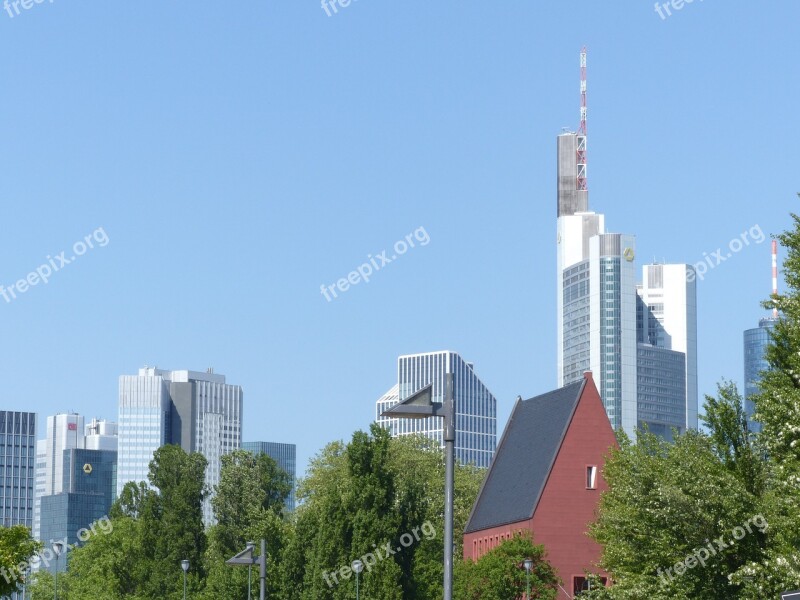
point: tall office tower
(89, 489)
(64, 431)
(101, 435)
(667, 337)
(756, 341)
(17, 467)
(283, 454)
(197, 411)
(476, 407)
(612, 325)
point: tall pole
(449, 483)
(262, 565)
(55, 583)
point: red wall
(560, 521)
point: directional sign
(795, 595)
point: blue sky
(239, 155)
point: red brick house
(546, 478)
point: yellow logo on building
(87, 468)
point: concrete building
(198, 411)
(476, 407)
(283, 454)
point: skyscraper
(476, 407)
(64, 431)
(197, 411)
(17, 467)
(756, 341)
(600, 314)
(667, 337)
(283, 454)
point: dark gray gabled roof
(524, 458)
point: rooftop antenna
(775, 275)
(581, 158)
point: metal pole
(449, 484)
(55, 583)
(262, 564)
(528, 577)
(184, 585)
(249, 578)
(356, 585)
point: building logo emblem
(87, 468)
(628, 254)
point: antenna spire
(775, 274)
(581, 158)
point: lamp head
(357, 566)
(185, 565)
(528, 565)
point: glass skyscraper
(89, 489)
(755, 363)
(197, 411)
(17, 467)
(283, 454)
(476, 407)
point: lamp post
(250, 547)
(357, 567)
(245, 558)
(185, 567)
(57, 548)
(420, 406)
(528, 566)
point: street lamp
(528, 566)
(357, 567)
(245, 558)
(250, 547)
(57, 549)
(185, 567)
(420, 406)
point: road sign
(795, 595)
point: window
(581, 584)
(591, 477)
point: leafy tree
(379, 499)
(667, 522)
(17, 547)
(499, 574)
(248, 506)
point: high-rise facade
(476, 407)
(667, 338)
(197, 411)
(756, 341)
(64, 432)
(283, 454)
(642, 380)
(17, 467)
(89, 489)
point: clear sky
(238, 155)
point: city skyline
(227, 205)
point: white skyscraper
(668, 320)
(197, 411)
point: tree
(500, 575)
(381, 500)
(17, 548)
(248, 506)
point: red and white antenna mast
(581, 158)
(775, 274)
